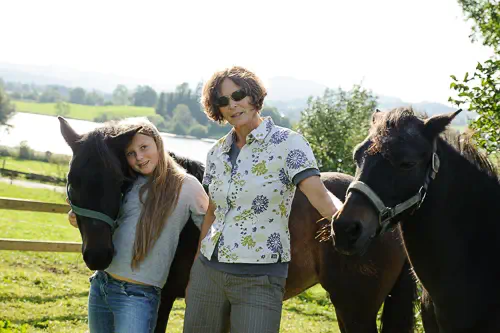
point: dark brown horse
(446, 197)
(357, 285)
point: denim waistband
(105, 278)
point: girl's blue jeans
(119, 306)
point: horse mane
(192, 167)
(463, 143)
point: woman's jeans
(122, 307)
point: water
(42, 133)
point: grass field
(47, 292)
(85, 112)
(37, 167)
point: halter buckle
(423, 194)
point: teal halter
(91, 213)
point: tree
(50, 95)
(480, 92)
(271, 111)
(161, 106)
(145, 96)
(184, 95)
(120, 95)
(77, 96)
(7, 109)
(62, 108)
(335, 123)
(94, 98)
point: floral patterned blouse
(253, 199)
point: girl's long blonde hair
(163, 188)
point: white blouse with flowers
(253, 199)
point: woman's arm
(323, 200)
(207, 223)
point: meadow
(85, 112)
(36, 167)
(47, 292)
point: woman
(126, 296)
(238, 279)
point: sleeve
(299, 156)
(305, 174)
(198, 201)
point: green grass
(47, 292)
(37, 167)
(85, 112)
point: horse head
(95, 180)
(395, 165)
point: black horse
(357, 285)
(446, 196)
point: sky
(401, 48)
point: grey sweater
(154, 269)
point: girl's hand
(72, 218)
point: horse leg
(349, 322)
(427, 313)
(167, 302)
(355, 296)
(399, 306)
(339, 321)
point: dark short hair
(242, 77)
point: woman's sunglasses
(236, 96)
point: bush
(198, 131)
(25, 152)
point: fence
(29, 245)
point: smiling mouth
(143, 164)
(237, 114)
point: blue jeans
(119, 306)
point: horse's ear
(376, 116)
(69, 133)
(122, 140)
(437, 124)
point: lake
(42, 133)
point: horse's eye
(407, 165)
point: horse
(444, 195)
(357, 286)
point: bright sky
(401, 48)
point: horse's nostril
(354, 231)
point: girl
(125, 297)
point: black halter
(387, 214)
(91, 213)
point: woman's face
(142, 154)
(237, 113)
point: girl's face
(142, 154)
(237, 113)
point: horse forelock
(94, 146)
(400, 124)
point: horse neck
(455, 230)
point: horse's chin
(98, 260)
